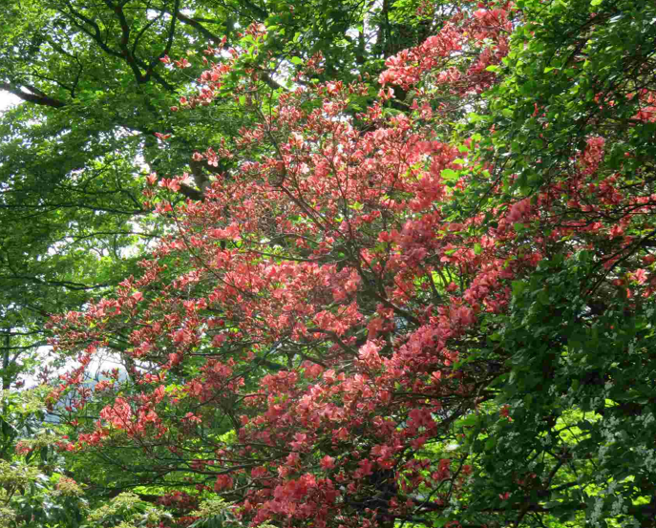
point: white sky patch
(7, 100)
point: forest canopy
(356, 264)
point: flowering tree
(383, 316)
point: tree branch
(37, 98)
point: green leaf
(450, 175)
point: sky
(7, 99)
